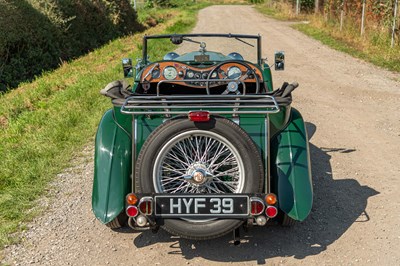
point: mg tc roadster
(200, 143)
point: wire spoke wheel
(198, 162)
(214, 157)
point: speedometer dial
(170, 73)
(234, 73)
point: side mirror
(280, 60)
(176, 39)
(127, 67)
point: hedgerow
(38, 35)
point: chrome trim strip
(151, 71)
(146, 199)
(267, 156)
(134, 133)
(259, 200)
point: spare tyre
(182, 156)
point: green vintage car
(200, 143)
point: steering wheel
(233, 85)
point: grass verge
(278, 10)
(375, 50)
(45, 122)
(373, 47)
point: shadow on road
(337, 205)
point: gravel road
(353, 117)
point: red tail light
(257, 206)
(271, 211)
(199, 116)
(132, 211)
(146, 206)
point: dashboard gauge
(170, 73)
(214, 75)
(204, 75)
(190, 74)
(234, 73)
(155, 73)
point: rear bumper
(150, 210)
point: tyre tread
(287, 221)
(118, 222)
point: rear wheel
(118, 222)
(286, 221)
(182, 156)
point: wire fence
(380, 15)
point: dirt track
(353, 117)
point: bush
(38, 35)
(168, 3)
(305, 5)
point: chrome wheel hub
(198, 177)
(197, 174)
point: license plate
(202, 205)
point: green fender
(112, 168)
(291, 168)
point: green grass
(373, 47)
(329, 40)
(43, 124)
(270, 12)
(278, 10)
(378, 53)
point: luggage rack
(215, 104)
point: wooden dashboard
(183, 74)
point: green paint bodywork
(289, 156)
(290, 170)
(112, 169)
(290, 164)
(267, 77)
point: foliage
(379, 14)
(374, 46)
(379, 11)
(165, 3)
(39, 35)
(279, 9)
(305, 5)
(45, 122)
(256, 1)
(168, 3)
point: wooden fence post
(341, 14)
(394, 22)
(363, 18)
(297, 7)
